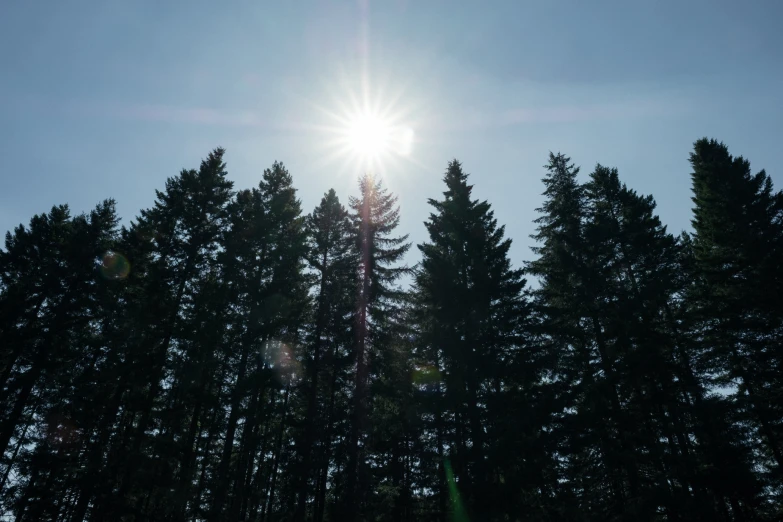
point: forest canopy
(230, 356)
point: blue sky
(108, 99)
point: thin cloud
(172, 114)
(572, 114)
(476, 119)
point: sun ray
(361, 125)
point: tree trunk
(19, 443)
(228, 445)
(631, 468)
(327, 442)
(9, 426)
(158, 371)
(276, 463)
(352, 498)
(256, 500)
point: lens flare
(281, 358)
(427, 376)
(114, 266)
(458, 513)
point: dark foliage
(226, 357)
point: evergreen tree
(226, 358)
(264, 269)
(50, 311)
(375, 216)
(601, 476)
(171, 248)
(474, 310)
(736, 295)
(332, 257)
(390, 445)
(642, 263)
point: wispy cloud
(169, 114)
(575, 113)
(476, 119)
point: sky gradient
(108, 99)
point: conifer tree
(736, 295)
(375, 216)
(390, 444)
(263, 266)
(601, 475)
(475, 309)
(642, 265)
(332, 256)
(170, 247)
(227, 358)
(50, 311)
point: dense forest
(228, 356)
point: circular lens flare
(114, 266)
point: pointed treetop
(276, 179)
(214, 161)
(729, 198)
(560, 172)
(456, 182)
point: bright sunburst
(371, 137)
(368, 135)
(365, 129)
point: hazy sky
(109, 98)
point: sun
(363, 128)
(368, 135)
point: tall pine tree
(737, 291)
(475, 311)
(333, 258)
(263, 265)
(375, 217)
(52, 310)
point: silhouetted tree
(51, 317)
(333, 259)
(263, 265)
(227, 358)
(736, 292)
(473, 312)
(375, 217)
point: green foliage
(226, 357)
(375, 216)
(735, 297)
(471, 314)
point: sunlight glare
(369, 136)
(369, 130)
(404, 141)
